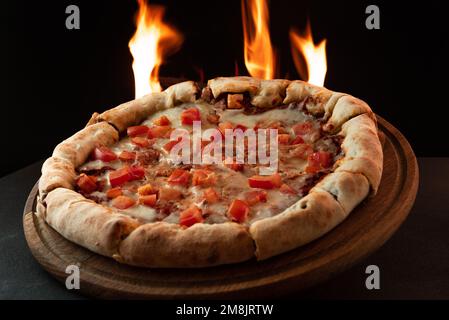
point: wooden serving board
(364, 231)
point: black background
(56, 78)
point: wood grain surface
(365, 230)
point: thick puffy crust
(263, 93)
(270, 93)
(346, 108)
(305, 221)
(134, 112)
(93, 226)
(56, 173)
(362, 149)
(162, 244)
(93, 119)
(348, 188)
(233, 85)
(317, 100)
(77, 148)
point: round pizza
(193, 177)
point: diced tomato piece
(318, 160)
(162, 121)
(159, 131)
(119, 177)
(254, 197)
(137, 131)
(169, 145)
(283, 138)
(87, 184)
(235, 166)
(168, 194)
(127, 156)
(265, 182)
(104, 154)
(191, 216)
(114, 193)
(190, 115)
(241, 127)
(297, 140)
(141, 142)
(222, 126)
(179, 176)
(211, 196)
(302, 128)
(147, 189)
(203, 177)
(123, 202)
(285, 188)
(148, 200)
(238, 210)
(136, 172)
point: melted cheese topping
(230, 184)
(287, 116)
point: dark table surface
(414, 263)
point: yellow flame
(258, 52)
(152, 41)
(314, 56)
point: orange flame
(152, 41)
(315, 67)
(258, 52)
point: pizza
(122, 187)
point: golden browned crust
(162, 244)
(347, 107)
(59, 169)
(270, 93)
(233, 85)
(56, 173)
(93, 226)
(362, 149)
(93, 119)
(263, 93)
(134, 112)
(305, 221)
(77, 148)
(317, 100)
(348, 188)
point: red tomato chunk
(238, 210)
(127, 155)
(87, 184)
(265, 182)
(179, 176)
(190, 115)
(148, 200)
(104, 154)
(191, 216)
(318, 160)
(137, 131)
(123, 202)
(123, 175)
(162, 121)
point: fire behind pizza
(194, 177)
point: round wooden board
(364, 231)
